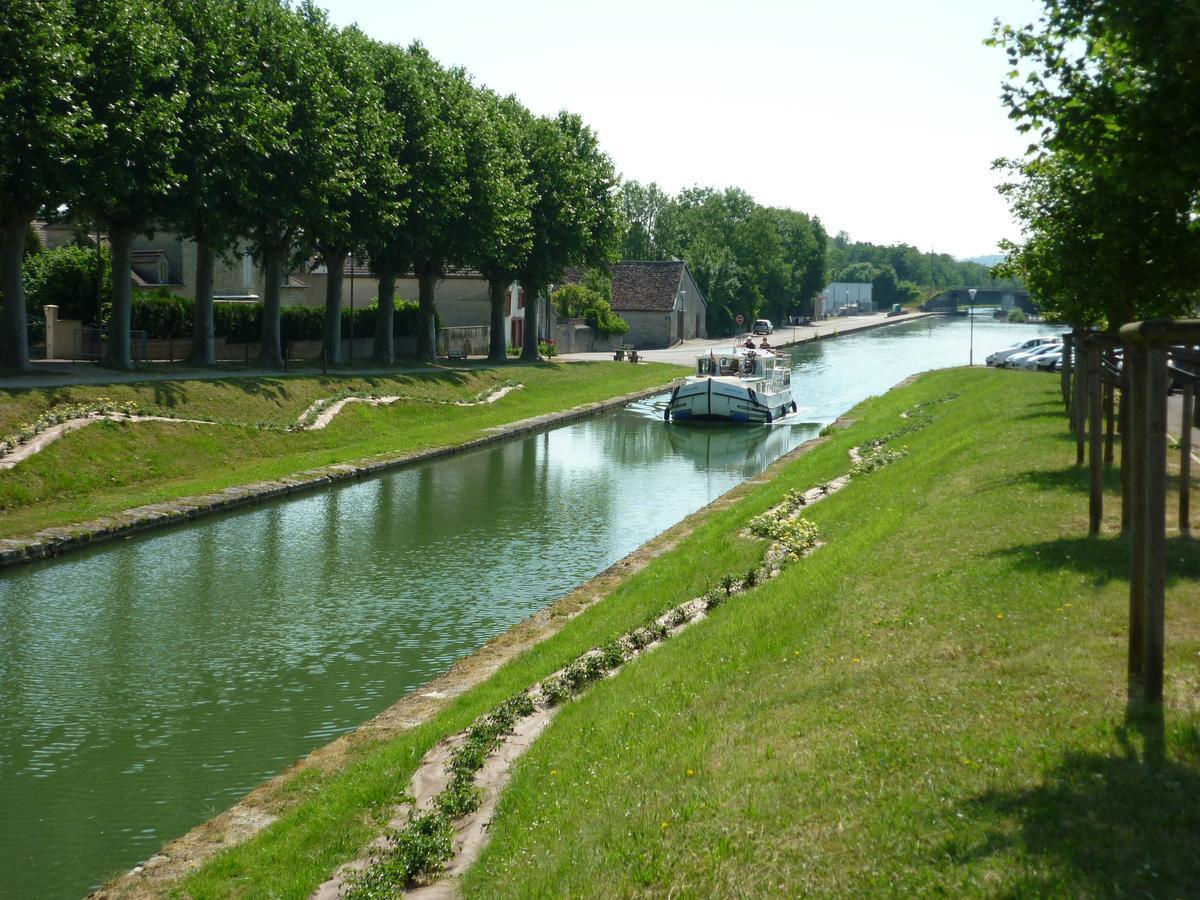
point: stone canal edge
(64, 539)
(266, 803)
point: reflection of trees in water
(330, 548)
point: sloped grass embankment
(112, 466)
(933, 701)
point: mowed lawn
(113, 466)
(934, 702)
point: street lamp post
(351, 306)
(971, 316)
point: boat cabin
(735, 365)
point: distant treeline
(749, 259)
(772, 261)
(901, 273)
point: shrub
(1016, 314)
(66, 277)
(162, 314)
(548, 348)
(420, 848)
(576, 301)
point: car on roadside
(1045, 358)
(1017, 360)
(763, 326)
(997, 358)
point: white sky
(881, 117)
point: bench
(625, 350)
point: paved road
(685, 353)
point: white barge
(740, 385)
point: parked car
(1000, 356)
(1017, 360)
(763, 326)
(1043, 358)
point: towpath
(685, 353)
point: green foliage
(901, 273)
(134, 90)
(419, 849)
(66, 277)
(1017, 315)
(1107, 192)
(577, 301)
(548, 348)
(165, 315)
(746, 258)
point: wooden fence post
(1079, 398)
(1095, 443)
(1156, 521)
(1185, 458)
(1135, 362)
(1123, 416)
(1109, 421)
(1065, 371)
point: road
(685, 353)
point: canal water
(148, 684)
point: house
(660, 301)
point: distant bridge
(950, 301)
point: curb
(67, 538)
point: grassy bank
(116, 465)
(933, 702)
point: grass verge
(113, 466)
(932, 702)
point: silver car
(998, 358)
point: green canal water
(148, 684)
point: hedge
(164, 315)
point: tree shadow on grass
(169, 394)
(1054, 411)
(1071, 478)
(1125, 823)
(1103, 559)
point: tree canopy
(746, 258)
(1108, 192)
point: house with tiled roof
(660, 301)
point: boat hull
(717, 400)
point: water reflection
(147, 684)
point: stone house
(659, 300)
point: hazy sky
(881, 117)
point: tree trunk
(426, 324)
(530, 351)
(203, 351)
(270, 349)
(335, 265)
(119, 353)
(14, 333)
(498, 340)
(385, 349)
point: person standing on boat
(749, 345)
(765, 345)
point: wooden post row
(1156, 522)
(1185, 458)
(1095, 442)
(1135, 362)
